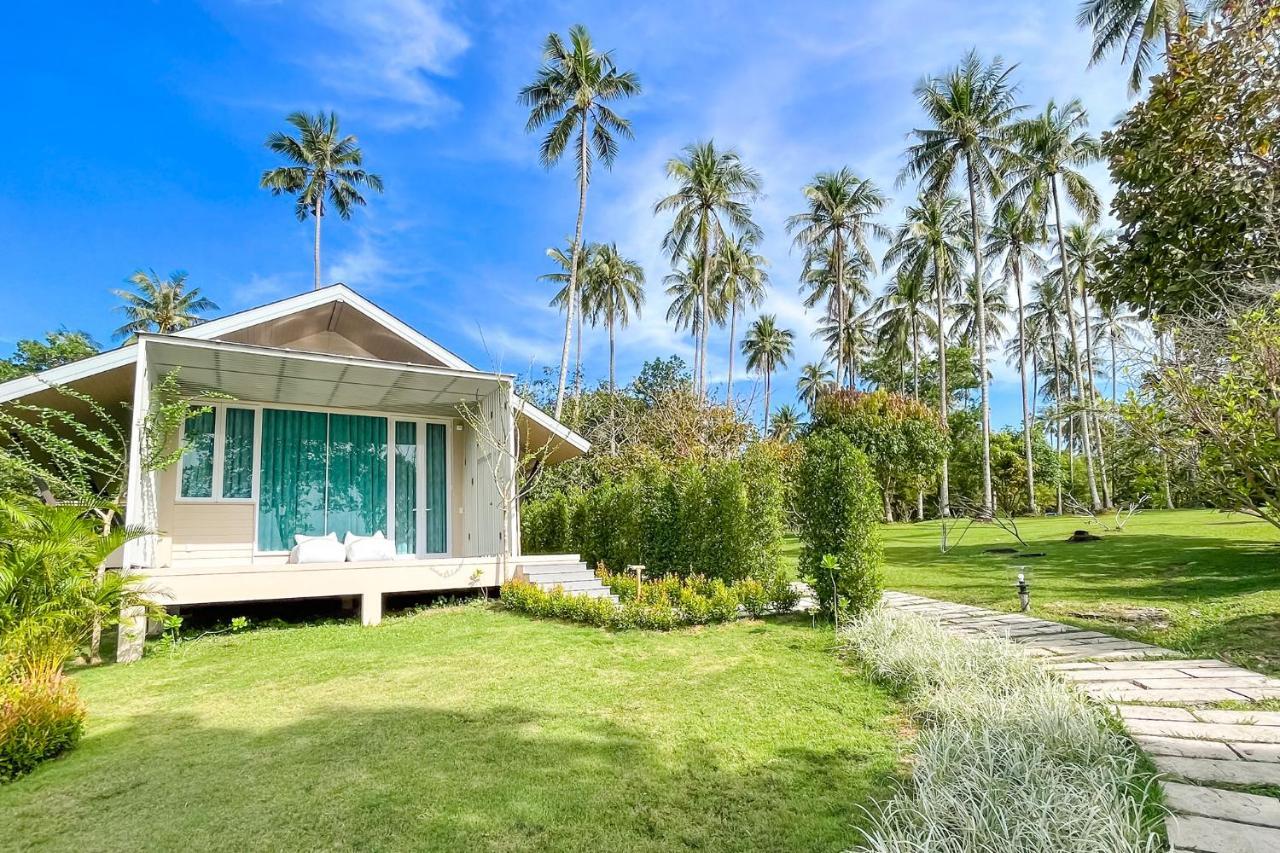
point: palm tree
(1044, 315)
(324, 169)
(743, 282)
(767, 348)
(1133, 24)
(931, 245)
(1010, 243)
(1118, 328)
(564, 257)
(1052, 148)
(839, 217)
(820, 278)
(904, 315)
(970, 109)
(995, 307)
(684, 286)
(815, 380)
(785, 423)
(160, 305)
(571, 91)
(713, 191)
(614, 288)
(848, 339)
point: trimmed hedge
(39, 719)
(719, 518)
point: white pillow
(317, 549)
(366, 548)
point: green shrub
(38, 720)
(838, 506)
(753, 596)
(724, 602)
(546, 526)
(783, 598)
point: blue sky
(134, 140)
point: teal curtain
(197, 460)
(437, 500)
(291, 494)
(237, 454)
(357, 475)
(406, 496)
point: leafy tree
(161, 305)
(743, 284)
(614, 290)
(767, 348)
(58, 347)
(659, 377)
(1134, 26)
(714, 189)
(324, 168)
(838, 220)
(970, 112)
(1197, 174)
(571, 92)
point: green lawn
(469, 728)
(1215, 578)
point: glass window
(406, 496)
(197, 459)
(357, 475)
(237, 454)
(291, 491)
(437, 510)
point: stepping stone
(1184, 683)
(1220, 672)
(1138, 694)
(1212, 770)
(1169, 664)
(1254, 718)
(1268, 752)
(1124, 674)
(1154, 712)
(1183, 748)
(1206, 731)
(1207, 835)
(1258, 693)
(1227, 805)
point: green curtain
(357, 475)
(291, 494)
(437, 500)
(237, 454)
(197, 460)
(406, 496)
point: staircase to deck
(568, 573)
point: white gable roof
(214, 329)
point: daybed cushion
(317, 549)
(366, 548)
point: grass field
(1200, 581)
(475, 729)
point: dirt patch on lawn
(1154, 618)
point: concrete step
(560, 574)
(573, 586)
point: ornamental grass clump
(1008, 758)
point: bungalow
(336, 452)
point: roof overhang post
(140, 507)
(513, 474)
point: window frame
(219, 454)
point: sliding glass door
(419, 495)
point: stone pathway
(1202, 753)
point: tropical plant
(686, 310)
(571, 91)
(995, 307)
(324, 168)
(614, 289)
(834, 228)
(711, 201)
(1133, 26)
(850, 338)
(767, 348)
(815, 380)
(931, 245)
(563, 277)
(743, 282)
(1044, 322)
(785, 423)
(970, 110)
(1118, 328)
(160, 305)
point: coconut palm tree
(819, 279)
(785, 423)
(614, 289)
(1117, 327)
(1011, 244)
(711, 201)
(1134, 26)
(324, 168)
(1045, 318)
(931, 244)
(564, 258)
(815, 380)
(904, 316)
(743, 284)
(160, 305)
(1053, 147)
(571, 92)
(970, 110)
(684, 286)
(835, 226)
(850, 339)
(995, 306)
(767, 348)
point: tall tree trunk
(318, 212)
(706, 312)
(988, 500)
(1069, 301)
(944, 492)
(1057, 410)
(572, 302)
(768, 377)
(613, 388)
(733, 331)
(915, 391)
(577, 366)
(838, 255)
(1113, 370)
(613, 391)
(1026, 409)
(1093, 393)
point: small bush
(783, 598)
(38, 720)
(838, 504)
(754, 597)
